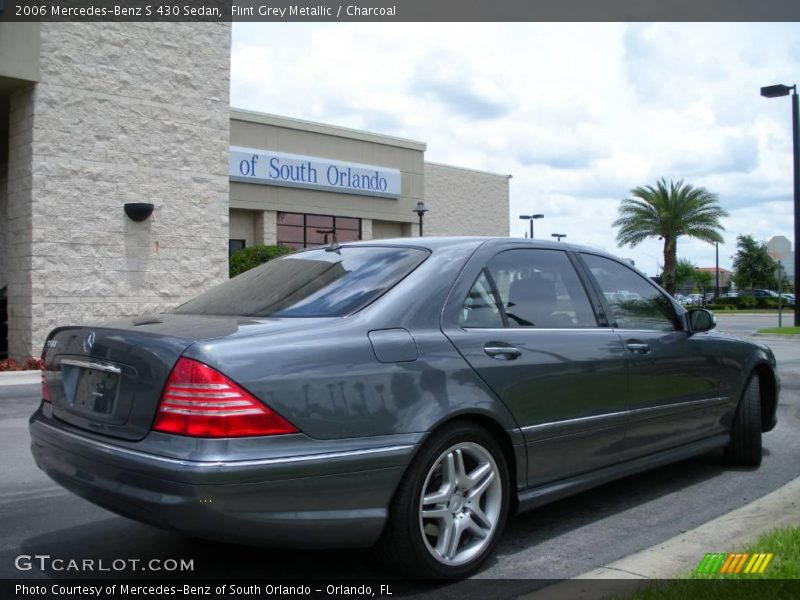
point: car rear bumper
(333, 499)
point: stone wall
(3, 190)
(123, 112)
(464, 202)
(19, 215)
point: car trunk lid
(109, 379)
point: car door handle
(638, 347)
(501, 351)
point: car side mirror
(701, 319)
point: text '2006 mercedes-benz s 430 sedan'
(404, 393)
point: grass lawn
(784, 544)
(781, 330)
(742, 311)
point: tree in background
(684, 271)
(785, 284)
(752, 265)
(702, 280)
(669, 211)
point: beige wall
(242, 226)
(382, 230)
(123, 112)
(19, 54)
(280, 134)
(465, 202)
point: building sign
(264, 167)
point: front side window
(316, 283)
(634, 302)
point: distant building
(780, 248)
(126, 179)
(724, 276)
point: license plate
(90, 391)
(96, 391)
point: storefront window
(234, 246)
(301, 231)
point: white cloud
(579, 113)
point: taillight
(199, 401)
(45, 387)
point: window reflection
(317, 283)
(302, 231)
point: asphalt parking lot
(557, 541)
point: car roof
(434, 243)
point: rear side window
(316, 283)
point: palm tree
(668, 211)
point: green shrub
(247, 258)
(767, 303)
(746, 302)
(719, 307)
(725, 301)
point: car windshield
(315, 283)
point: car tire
(451, 506)
(744, 449)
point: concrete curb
(682, 553)
(20, 377)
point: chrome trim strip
(204, 395)
(202, 403)
(510, 329)
(600, 421)
(608, 419)
(678, 406)
(219, 464)
(91, 365)
(203, 412)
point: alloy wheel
(461, 503)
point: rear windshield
(317, 283)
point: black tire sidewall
(745, 447)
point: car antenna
(334, 246)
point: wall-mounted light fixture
(138, 211)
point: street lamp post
(531, 218)
(420, 210)
(558, 235)
(776, 91)
(716, 272)
(780, 295)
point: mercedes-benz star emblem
(88, 342)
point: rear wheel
(744, 448)
(451, 507)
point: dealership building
(98, 119)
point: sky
(577, 113)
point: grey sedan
(409, 394)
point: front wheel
(451, 507)
(744, 449)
